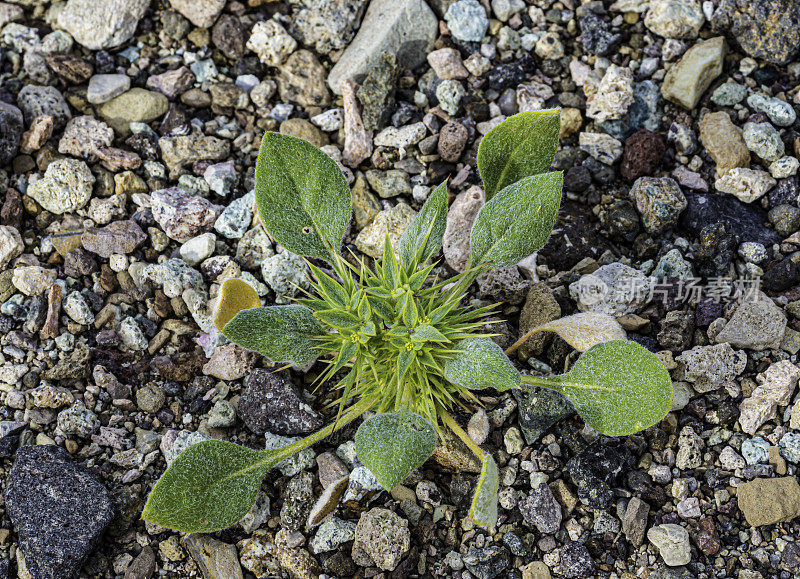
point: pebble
(33, 280)
(712, 367)
(119, 237)
(197, 249)
(784, 167)
(634, 521)
(467, 20)
(59, 510)
(381, 539)
(728, 94)
(75, 307)
(11, 120)
(779, 112)
(672, 542)
(770, 39)
(235, 219)
(405, 28)
(675, 18)
(84, 136)
(614, 289)
(10, 244)
(36, 101)
(763, 140)
(447, 64)
(327, 25)
(331, 534)
(134, 106)
(104, 87)
(65, 187)
(214, 558)
(687, 80)
(286, 274)
(601, 147)
(642, 155)
(270, 41)
(745, 184)
(101, 25)
(77, 421)
(541, 510)
(768, 501)
(614, 95)
(723, 142)
(270, 403)
(181, 215)
(659, 201)
(201, 13)
(392, 222)
(755, 324)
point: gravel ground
(129, 131)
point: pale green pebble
(784, 167)
(728, 94)
(450, 93)
(763, 140)
(222, 415)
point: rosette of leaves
(398, 342)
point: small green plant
(397, 341)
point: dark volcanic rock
(59, 510)
(642, 156)
(270, 404)
(594, 470)
(11, 124)
(765, 29)
(574, 237)
(747, 221)
(539, 409)
(596, 34)
(783, 275)
(9, 435)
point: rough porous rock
(723, 141)
(765, 29)
(119, 237)
(11, 126)
(99, 24)
(381, 539)
(65, 187)
(59, 510)
(182, 215)
(659, 202)
(201, 13)
(270, 403)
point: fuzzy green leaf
(393, 444)
(209, 487)
(617, 387)
(483, 511)
(302, 197)
(517, 221)
(520, 146)
(423, 238)
(281, 333)
(479, 363)
(427, 333)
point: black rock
(514, 543)
(11, 124)
(783, 275)
(541, 510)
(595, 470)
(596, 34)
(576, 560)
(785, 218)
(510, 75)
(747, 221)
(59, 510)
(270, 404)
(9, 435)
(574, 237)
(718, 245)
(765, 29)
(539, 409)
(489, 562)
(786, 192)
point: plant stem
(543, 382)
(450, 421)
(349, 415)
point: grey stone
(467, 20)
(779, 112)
(101, 24)
(201, 13)
(104, 87)
(181, 215)
(539, 409)
(672, 542)
(406, 28)
(327, 25)
(659, 201)
(59, 510)
(763, 140)
(541, 510)
(710, 367)
(118, 237)
(35, 101)
(756, 324)
(11, 126)
(634, 521)
(216, 560)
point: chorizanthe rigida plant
(397, 341)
